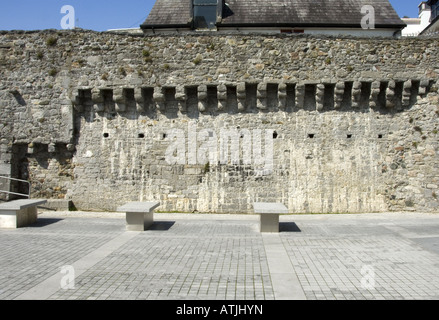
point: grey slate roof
(278, 13)
(170, 12)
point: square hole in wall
(311, 135)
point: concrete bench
(19, 213)
(139, 215)
(269, 215)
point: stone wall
(104, 118)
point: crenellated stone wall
(342, 124)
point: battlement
(242, 97)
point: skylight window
(205, 14)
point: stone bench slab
(269, 215)
(139, 206)
(19, 213)
(21, 204)
(139, 215)
(269, 207)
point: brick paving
(222, 257)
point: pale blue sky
(102, 15)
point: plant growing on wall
(51, 41)
(53, 72)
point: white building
(416, 25)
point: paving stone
(223, 257)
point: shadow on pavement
(42, 222)
(288, 227)
(161, 225)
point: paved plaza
(79, 255)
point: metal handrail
(14, 193)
